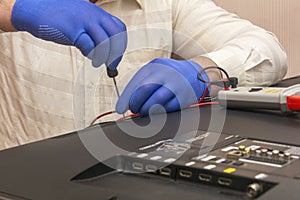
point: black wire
(211, 67)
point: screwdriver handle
(111, 73)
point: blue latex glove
(97, 34)
(170, 83)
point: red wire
(203, 104)
(102, 115)
(205, 93)
(129, 116)
(134, 115)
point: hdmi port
(185, 173)
(165, 171)
(137, 166)
(151, 168)
(205, 177)
(224, 181)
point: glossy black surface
(43, 170)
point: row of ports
(253, 189)
(201, 176)
(182, 173)
(137, 166)
(140, 167)
(205, 177)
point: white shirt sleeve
(244, 50)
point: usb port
(185, 173)
(205, 177)
(151, 168)
(137, 166)
(165, 171)
(224, 181)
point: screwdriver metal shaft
(117, 90)
(116, 87)
(112, 74)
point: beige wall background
(281, 17)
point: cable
(102, 115)
(203, 104)
(200, 103)
(112, 112)
(205, 93)
(129, 116)
(211, 67)
(225, 83)
(136, 115)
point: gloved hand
(170, 83)
(97, 34)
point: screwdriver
(112, 73)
